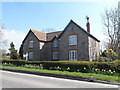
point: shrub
(110, 54)
(14, 62)
(103, 59)
(72, 66)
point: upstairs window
(31, 44)
(73, 40)
(55, 43)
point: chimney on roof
(88, 24)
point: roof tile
(39, 35)
(50, 36)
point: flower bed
(108, 68)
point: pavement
(22, 80)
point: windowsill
(72, 45)
(55, 47)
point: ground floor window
(73, 55)
(55, 55)
(25, 56)
(30, 55)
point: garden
(108, 71)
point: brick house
(73, 43)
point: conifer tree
(13, 51)
(21, 52)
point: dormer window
(73, 40)
(55, 43)
(31, 44)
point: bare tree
(48, 30)
(3, 42)
(119, 29)
(110, 23)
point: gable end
(71, 21)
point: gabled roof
(71, 21)
(45, 37)
(39, 35)
(51, 35)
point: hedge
(82, 66)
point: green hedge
(82, 66)
(14, 62)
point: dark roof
(71, 21)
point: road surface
(21, 80)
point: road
(20, 80)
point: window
(73, 55)
(41, 45)
(31, 44)
(30, 55)
(55, 42)
(25, 56)
(55, 55)
(73, 40)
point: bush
(14, 62)
(103, 59)
(110, 54)
(73, 66)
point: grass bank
(113, 78)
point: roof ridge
(39, 35)
(85, 31)
(79, 27)
(53, 32)
(37, 31)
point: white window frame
(25, 56)
(73, 55)
(73, 40)
(55, 55)
(41, 45)
(30, 56)
(31, 44)
(55, 43)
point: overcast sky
(19, 17)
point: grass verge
(108, 78)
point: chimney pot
(88, 25)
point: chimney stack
(88, 25)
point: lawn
(109, 78)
